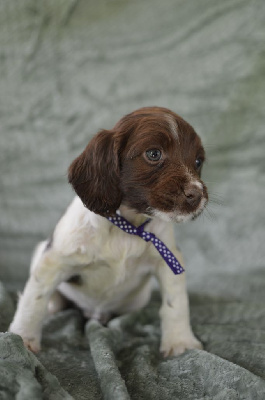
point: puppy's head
(150, 161)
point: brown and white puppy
(148, 165)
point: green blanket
(71, 67)
(122, 361)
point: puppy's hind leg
(139, 297)
(57, 302)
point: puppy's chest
(120, 245)
(115, 253)
(119, 264)
(119, 254)
(124, 255)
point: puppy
(148, 166)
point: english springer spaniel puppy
(132, 183)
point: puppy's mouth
(200, 209)
(178, 215)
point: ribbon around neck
(165, 253)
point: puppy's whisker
(208, 216)
(216, 199)
(214, 203)
(210, 213)
(216, 194)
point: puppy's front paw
(179, 345)
(32, 344)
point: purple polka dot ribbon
(165, 253)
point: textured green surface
(122, 361)
(23, 377)
(70, 68)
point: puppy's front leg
(32, 306)
(177, 335)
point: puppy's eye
(153, 154)
(198, 163)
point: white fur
(177, 217)
(116, 270)
(197, 183)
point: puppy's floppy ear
(95, 175)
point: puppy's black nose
(193, 195)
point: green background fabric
(71, 68)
